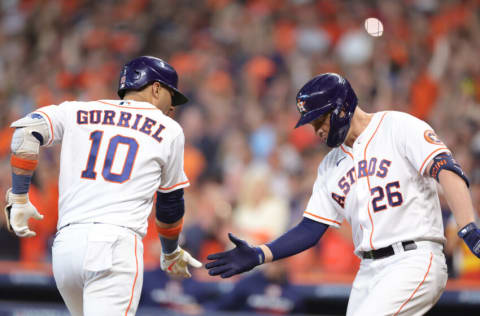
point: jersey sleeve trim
(184, 184)
(429, 157)
(49, 123)
(322, 219)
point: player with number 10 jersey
(111, 142)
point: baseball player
(115, 155)
(380, 176)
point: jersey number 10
(96, 137)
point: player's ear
(156, 87)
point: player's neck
(145, 96)
(138, 96)
(360, 121)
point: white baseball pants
(98, 269)
(406, 283)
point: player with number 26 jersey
(381, 176)
(376, 186)
(111, 142)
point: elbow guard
(170, 206)
(446, 161)
(30, 133)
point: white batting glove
(177, 262)
(18, 211)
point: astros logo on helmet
(301, 106)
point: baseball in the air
(374, 27)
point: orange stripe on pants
(135, 279)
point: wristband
(466, 229)
(20, 183)
(171, 232)
(168, 245)
(23, 163)
(260, 255)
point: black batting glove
(240, 259)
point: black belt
(387, 251)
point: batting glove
(17, 213)
(238, 260)
(471, 236)
(176, 263)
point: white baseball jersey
(115, 154)
(378, 185)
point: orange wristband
(23, 163)
(172, 231)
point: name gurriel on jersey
(125, 119)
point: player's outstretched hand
(240, 259)
(17, 213)
(177, 262)
(471, 236)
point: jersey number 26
(394, 198)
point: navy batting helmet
(326, 93)
(145, 70)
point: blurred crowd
(241, 63)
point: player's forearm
(301, 237)
(170, 208)
(169, 234)
(17, 169)
(458, 197)
(267, 253)
(23, 166)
